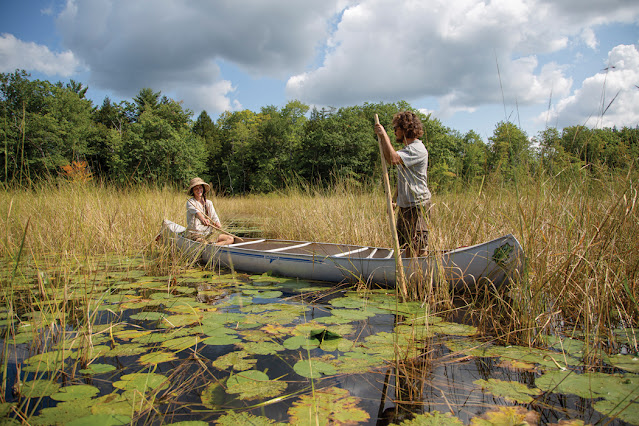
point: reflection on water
(265, 347)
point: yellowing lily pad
(331, 406)
(237, 360)
(507, 416)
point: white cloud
(212, 97)
(165, 44)
(384, 50)
(17, 54)
(608, 98)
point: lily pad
(591, 385)
(433, 419)
(101, 420)
(625, 362)
(252, 384)
(148, 316)
(181, 343)
(628, 411)
(313, 369)
(69, 393)
(142, 382)
(180, 320)
(38, 388)
(126, 349)
(327, 407)
(97, 369)
(155, 358)
(261, 348)
(507, 416)
(303, 342)
(233, 419)
(237, 360)
(511, 391)
(47, 361)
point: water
(268, 348)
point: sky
(469, 63)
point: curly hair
(410, 123)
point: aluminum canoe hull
(497, 260)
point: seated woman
(201, 218)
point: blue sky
(440, 56)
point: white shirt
(193, 224)
(412, 176)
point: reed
(581, 238)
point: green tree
(509, 151)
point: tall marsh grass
(581, 239)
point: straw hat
(197, 181)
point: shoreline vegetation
(581, 241)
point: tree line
(46, 126)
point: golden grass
(581, 238)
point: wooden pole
(400, 279)
(213, 226)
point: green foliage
(152, 139)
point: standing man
(413, 196)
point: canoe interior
(313, 248)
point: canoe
(497, 260)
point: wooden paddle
(215, 227)
(399, 267)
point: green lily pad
(148, 316)
(69, 393)
(131, 334)
(180, 320)
(155, 358)
(591, 385)
(628, 411)
(97, 369)
(38, 388)
(261, 348)
(628, 363)
(434, 419)
(271, 294)
(512, 391)
(217, 318)
(126, 349)
(233, 419)
(328, 406)
(142, 382)
(303, 342)
(181, 343)
(221, 340)
(47, 361)
(237, 360)
(101, 420)
(252, 384)
(313, 369)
